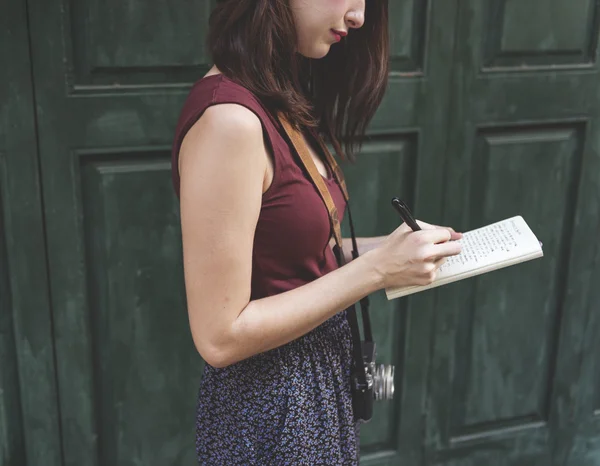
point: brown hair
(253, 42)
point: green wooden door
(491, 111)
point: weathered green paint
(492, 110)
(12, 447)
(29, 427)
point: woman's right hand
(408, 258)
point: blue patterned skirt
(288, 406)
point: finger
(447, 249)
(454, 235)
(435, 236)
(439, 262)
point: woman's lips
(338, 35)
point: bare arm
(223, 162)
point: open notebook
(492, 247)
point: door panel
(145, 365)
(147, 43)
(510, 355)
(535, 34)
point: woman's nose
(355, 18)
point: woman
(266, 298)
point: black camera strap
(302, 150)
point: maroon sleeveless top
(291, 243)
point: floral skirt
(288, 406)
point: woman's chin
(316, 52)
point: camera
(378, 383)
(380, 377)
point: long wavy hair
(254, 43)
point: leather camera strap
(307, 161)
(316, 177)
(339, 176)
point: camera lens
(383, 382)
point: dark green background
(493, 110)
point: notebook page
(491, 244)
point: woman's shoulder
(226, 102)
(223, 105)
(228, 122)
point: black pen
(405, 213)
